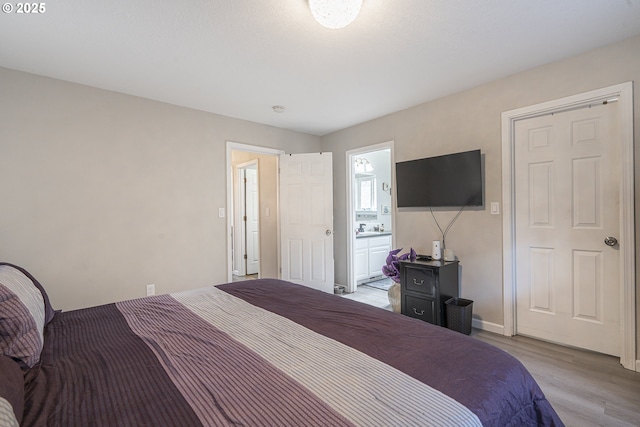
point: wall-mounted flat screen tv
(441, 181)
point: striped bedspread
(267, 353)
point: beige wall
(268, 195)
(471, 120)
(104, 193)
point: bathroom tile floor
(370, 295)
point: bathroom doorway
(370, 202)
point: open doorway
(257, 237)
(275, 216)
(370, 212)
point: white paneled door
(567, 207)
(306, 208)
(252, 210)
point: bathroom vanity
(371, 251)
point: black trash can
(459, 312)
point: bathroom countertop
(372, 234)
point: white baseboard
(487, 326)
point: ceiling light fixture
(362, 165)
(335, 14)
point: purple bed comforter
(168, 361)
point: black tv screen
(442, 181)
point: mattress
(265, 353)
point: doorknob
(610, 241)
(328, 232)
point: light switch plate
(495, 208)
(220, 212)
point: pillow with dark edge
(21, 317)
(49, 312)
(12, 385)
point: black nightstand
(425, 286)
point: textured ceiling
(238, 58)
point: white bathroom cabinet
(370, 255)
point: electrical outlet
(151, 290)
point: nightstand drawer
(420, 308)
(424, 284)
(421, 280)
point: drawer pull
(415, 282)
(416, 312)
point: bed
(255, 353)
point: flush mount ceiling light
(335, 14)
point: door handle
(328, 232)
(610, 241)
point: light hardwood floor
(585, 388)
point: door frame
(236, 146)
(352, 283)
(623, 94)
